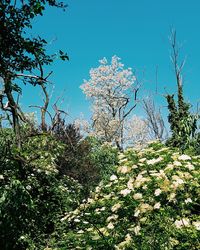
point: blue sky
(135, 30)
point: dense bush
(86, 160)
(33, 195)
(75, 160)
(151, 201)
(103, 156)
(42, 181)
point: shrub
(33, 195)
(151, 201)
(85, 160)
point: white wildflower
(113, 177)
(188, 200)
(124, 169)
(137, 212)
(115, 207)
(143, 172)
(157, 192)
(196, 224)
(102, 209)
(172, 197)
(177, 163)
(184, 157)
(178, 180)
(130, 184)
(134, 167)
(178, 223)
(145, 207)
(124, 243)
(22, 237)
(142, 160)
(154, 161)
(140, 180)
(125, 192)
(137, 196)
(123, 160)
(157, 205)
(144, 187)
(143, 219)
(80, 232)
(89, 200)
(110, 226)
(137, 230)
(97, 189)
(184, 222)
(190, 166)
(112, 217)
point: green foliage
(103, 156)
(33, 196)
(18, 52)
(22, 56)
(85, 160)
(74, 160)
(183, 123)
(38, 183)
(151, 201)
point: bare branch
(178, 66)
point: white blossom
(196, 224)
(137, 230)
(177, 163)
(113, 177)
(124, 169)
(125, 192)
(184, 157)
(137, 212)
(157, 192)
(157, 205)
(110, 89)
(137, 196)
(154, 161)
(184, 222)
(188, 200)
(115, 207)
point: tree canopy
(22, 57)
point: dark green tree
(22, 57)
(183, 123)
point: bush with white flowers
(151, 201)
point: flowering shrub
(33, 196)
(150, 201)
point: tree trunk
(13, 109)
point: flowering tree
(113, 94)
(136, 131)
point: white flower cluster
(138, 192)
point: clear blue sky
(135, 30)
